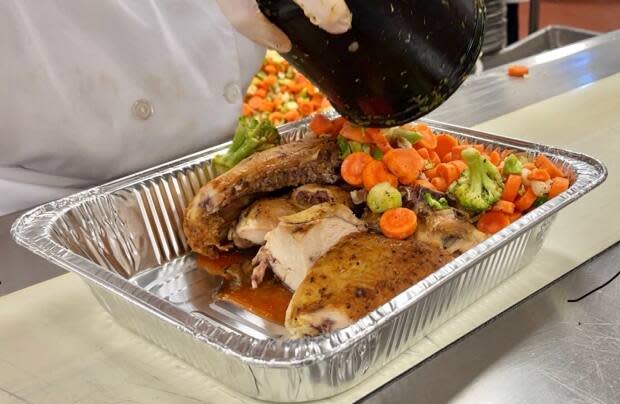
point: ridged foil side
(125, 239)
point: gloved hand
(331, 15)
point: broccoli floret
(480, 184)
(437, 204)
(408, 135)
(512, 165)
(250, 137)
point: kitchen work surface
(57, 345)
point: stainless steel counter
(542, 350)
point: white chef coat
(93, 90)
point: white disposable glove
(331, 15)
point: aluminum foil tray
(124, 239)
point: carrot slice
(423, 152)
(558, 185)
(376, 172)
(247, 109)
(276, 116)
(539, 174)
(492, 222)
(398, 223)
(518, 70)
(356, 133)
(529, 166)
(321, 124)
(439, 183)
(495, 157)
(515, 216)
(460, 165)
(445, 143)
(448, 172)
(292, 115)
(353, 166)
(405, 164)
(379, 139)
(447, 157)
(526, 200)
(511, 187)
(504, 207)
(255, 102)
(337, 125)
(429, 140)
(431, 173)
(434, 157)
(425, 184)
(543, 161)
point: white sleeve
(95, 90)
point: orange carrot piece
(305, 108)
(492, 222)
(379, 139)
(271, 69)
(529, 166)
(353, 166)
(539, 174)
(526, 200)
(511, 187)
(423, 152)
(460, 165)
(247, 109)
(255, 102)
(544, 162)
(292, 115)
(439, 183)
(429, 140)
(431, 173)
(406, 164)
(261, 93)
(266, 106)
(321, 124)
(448, 172)
(518, 70)
(276, 116)
(504, 207)
(270, 79)
(337, 125)
(515, 216)
(447, 157)
(425, 184)
(445, 143)
(356, 133)
(434, 157)
(375, 173)
(558, 185)
(495, 157)
(398, 223)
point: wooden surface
(57, 345)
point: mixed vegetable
(280, 94)
(496, 187)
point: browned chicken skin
(356, 276)
(218, 204)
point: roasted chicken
(356, 276)
(300, 239)
(258, 219)
(218, 204)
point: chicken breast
(301, 239)
(260, 218)
(356, 276)
(216, 206)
